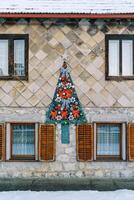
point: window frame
(118, 38)
(109, 157)
(11, 38)
(22, 157)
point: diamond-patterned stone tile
(34, 48)
(84, 87)
(97, 98)
(40, 94)
(124, 101)
(20, 100)
(53, 42)
(33, 63)
(27, 94)
(65, 29)
(33, 100)
(126, 90)
(92, 43)
(97, 74)
(98, 61)
(97, 87)
(52, 81)
(108, 97)
(77, 70)
(60, 49)
(84, 100)
(99, 37)
(6, 99)
(84, 75)
(40, 67)
(46, 100)
(20, 86)
(40, 81)
(66, 43)
(85, 37)
(79, 55)
(84, 49)
(48, 89)
(27, 104)
(30, 54)
(46, 74)
(59, 36)
(7, 87)
(40, 55)
(2, 104)
(86, 60)
(34, 74)
(33, 87)
(2, 93)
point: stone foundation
(65, 184)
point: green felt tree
(65, 107)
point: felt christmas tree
(65, 107)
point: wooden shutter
(47, 142)
(131, 141)
(84, 142)
(1, 142)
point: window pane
(3, 57)
(113, 57)
(23, 140)
(19, 57)
(108, 140)
(127, 57)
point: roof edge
(58, 15)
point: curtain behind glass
(3, 57)
(127, 57)
(108, 140)
(19, 57)
(23, 139)
(113, 54)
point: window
(27, 142)
(23, 141)
(14, 56)
(110, 141)
(119, 57)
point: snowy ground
(71, 195)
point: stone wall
(66, 164)
(83, 44)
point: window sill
(22, 158)
(14, 78)
(109, 159)
(119, 78)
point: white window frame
(8, 140)
(123, 142)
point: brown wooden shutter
(131, 142)
(84, 142)
(1, 142)
(47, 142)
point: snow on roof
(68, 6)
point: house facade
(97, 42)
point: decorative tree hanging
(65, 107)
